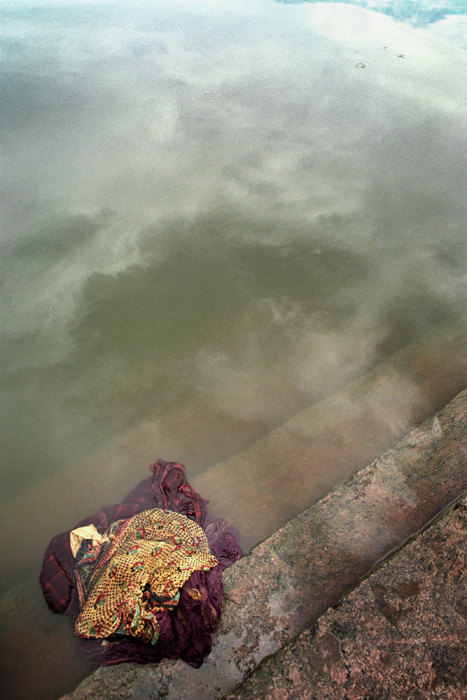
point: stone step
(289, 581)
(401, 633)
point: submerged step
(295, 465)
(261, 488)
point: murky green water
(215, 214)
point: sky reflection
(160, 247)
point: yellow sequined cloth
(136, 570)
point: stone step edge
(384, 636)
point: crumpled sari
(184, 629)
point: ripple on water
(208, 94)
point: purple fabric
(172, 491)
(223, 540)
(167, 488)
(185, 632)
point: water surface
(216, 214)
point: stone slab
(401, 634)
(291, 579)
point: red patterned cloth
(186, 631)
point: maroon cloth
(185, 632)
(167, 488)
(223, 540)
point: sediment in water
(337, 436)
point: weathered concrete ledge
(401, 633)
(291, 579)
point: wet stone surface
(289, 581)
(401, 634)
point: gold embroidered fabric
(137, 570)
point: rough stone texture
(401, 634)
(287, 582)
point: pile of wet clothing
(142, 580)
